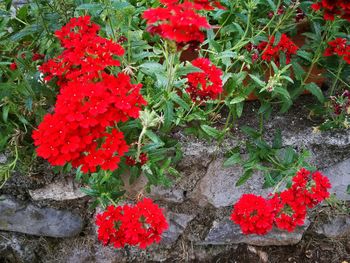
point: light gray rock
(339, 176)
(167, 194)
(225, 232)
(3, 158)
(29, 219)
(177, 225)
(58, 191)
(336, 228)
(218, 188)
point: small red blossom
(207, 84)
(338, 47)
(254, 214)
(272, 52)
(37, 56)
(139, 225)
(333, 8)
(178, 22)
(13, 66)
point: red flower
(272, 52)
(338, 47)
(332, 8)
(140, 225)
(207, 84)
(37, 56)
(89, 104)
(178, 22)
(287, 209)
(254, 214)
(13, 66)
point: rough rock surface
(177, 225)
(58, 191)
(173, 194)
(218, 185)
(339, 176)
(336, 227)
(29, 219)
(225, 232)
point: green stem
(340, 68)
(261, 123)
(139, 143)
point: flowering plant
(103, 90)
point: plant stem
(340, 68)
(139, 143)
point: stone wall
(45, 218)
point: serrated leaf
(244, 178)
(305, 55)
(211, 131)
(316, 91)
(257, 80)
(175, 98)
(237, 100)
(282, 91)
(5, 113)
(277, 140)
(234, 159)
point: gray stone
(218, 188)
(225, 232)
(3, 158)
(58, 191)
(29, 219)
(177, 225)
(335, 228)
(167, 194)
(339, 176)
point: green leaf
(168, 114)
(250, 132)
(175, 98)
(348, 190)
(211, 131)
(316, 91)
(277, 140)
(257, 80)
(284, 92)
(237, 100)
(298, 70)
(5, 112)
(247, 174)
(154, 137)
(91, 7)
(234, 159)
(150, 68)
(28, 30)
(187, 69)
(305, 55)
(239, 109)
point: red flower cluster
(131, 161)
(272, 52)
(207, 84)
(338, 47)
(178, 22)
(287, 209)
(254, 214)
(13, 66)
(332, 8)
(341, 104)
(82, 128)
(139, 225)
